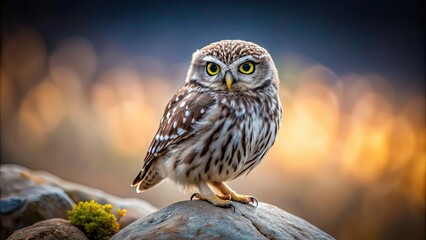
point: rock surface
(136, 208)
(202, 220)
(51, 229)
(24, 202)
(29, 196)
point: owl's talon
(232, 207)
(192, 196)
(254, 200)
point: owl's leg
(226, 190)
(208, 195)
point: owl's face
(233, 65)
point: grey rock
(51, 229)
(21, 186)
(202, 220)
(24, 201)
(136, 208)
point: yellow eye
(212, 69)
(246, 68)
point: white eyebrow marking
(241, 60)
(215, 60)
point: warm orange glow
(402, 143)
(310, 120)
(70, 86)
(121, 109)
(366, 150)
(416, 179)
(42, 110)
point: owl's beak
(228, 80)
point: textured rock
(136, 208)
(24, 202)
(40, 195)
(51, 229)
(201, 220)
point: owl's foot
(219, 201)
(227, 191)
(244, 198)
(225, 197)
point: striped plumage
(212, 132)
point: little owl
(218, 126)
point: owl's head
(233, 65)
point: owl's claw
(192, 196)
(232, 207)
(254, 200)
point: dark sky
(384, 37)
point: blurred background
(84, 84)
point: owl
(219, 125)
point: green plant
(95, 220)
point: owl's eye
(212, 69)
(246, 68)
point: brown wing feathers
(176, 124)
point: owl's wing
(183, 111)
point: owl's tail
(147, 178)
